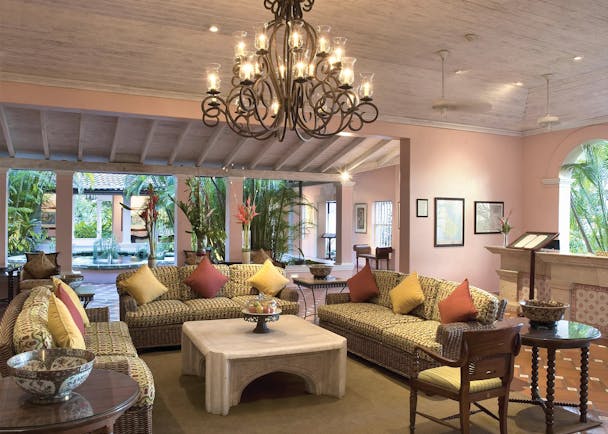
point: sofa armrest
(288, 294)
(121, 366)
(338, 297)
(450, 336)
(126, 304)
(98, 314)
(502, 307)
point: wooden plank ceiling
(159, 48)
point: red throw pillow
(362, 285)
(206, 280)
(458, 306)
(62, 295)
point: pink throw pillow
(362, 285)
(206, 280)
(62, 295)
(458, 306)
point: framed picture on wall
(422, 207)
(361, 218)
(449, 222)
(487, 217)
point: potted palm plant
(149, 214)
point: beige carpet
(375, 402)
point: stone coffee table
(230, 357)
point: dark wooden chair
(382, 253)
(360, 250)
(484, 370)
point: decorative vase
(151, 262)
(506, 239)
(246, 257)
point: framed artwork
(449, 222)
(361, 218)
(487, 217)
(422, 207)
(533, 240)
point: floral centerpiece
(505, 227)
(198, 210)
(149, 214)
(245, 215)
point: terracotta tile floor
(567, 361)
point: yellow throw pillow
(407, 295)
(143, 286)
(268, 280)
(74, 297)
(62, 327)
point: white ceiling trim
(447, 125)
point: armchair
(483, 370)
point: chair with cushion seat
(360, 250)
(382, 254)
(484, 370)
(38, 269)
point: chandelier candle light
(290, 77)
(245, 215)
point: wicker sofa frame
(136, 420)
(397, 359)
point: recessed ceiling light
(214, 29)
(577, 58)
(518, 83)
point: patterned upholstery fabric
(109, 341)
(239, 273)
(115, 328)
(159, 312)
(287, 307)
(31, 331)
(408, 335)
(212, 308)
(185, 272)
(385, 280)
(485, 303)
(429, 286)
(448, 378)
(140, 372)
(369, 319)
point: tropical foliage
(26, 191)
(279, 223)
(589, 199)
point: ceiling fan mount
(548, 120)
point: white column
(234, 229)
(565, 185)
(3, 217)
(126, 221)
(183, 240)
(64, 218)
(344, 222)
(98, 202)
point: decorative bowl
(541, 312)
(320, 271)
(261, 310)
(51, 374)
(72, 279)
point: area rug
(375, 402)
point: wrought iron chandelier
(291, 77)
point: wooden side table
(312, 284)
(85, 294)
(566, 334)
(95, 405)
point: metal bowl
(51, 374)
(320, 271)
(541, 312)
(72, 279)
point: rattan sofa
(375, 333)
(23, 328)
(159, 323)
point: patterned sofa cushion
(185, 272)
(407, 336)
(31, 331)
(212, 308)
(429, 286)
(109, 340)
(157, 313)
(368, 319)
(485, 303)
(118, 328)
(239, 273)
(140, 372)
(385, 280)
(287, 307)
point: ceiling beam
(44, 133)
(235, 150)
(288, 155)
(81, 138)
(180, 142)
(389, 157)
(210, 144)
(260, 155)
(156, 169)
(366, 155)
(349, 147)
(325, 144)
(148, 141)
(115, 140)
(7, 133)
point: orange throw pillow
(362, 285)
(206, 280)
(458, 306)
